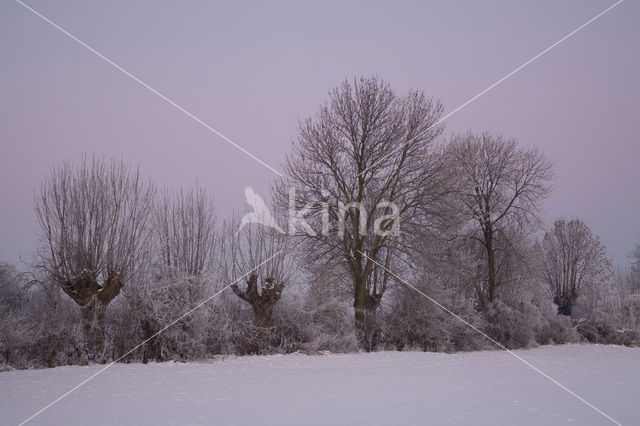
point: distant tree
(185, 248)
(366, 159)
(241, 252)
(14, 329)
(11, 295)
(500, 188)
(158, 301)
(94, 221)
(634, 273)
(184, 230)
(574, 258)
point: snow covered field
(376, 388)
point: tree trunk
(360, 294)
(93, 300)
(151, 348)
(93, 324)
(263, 315)
(371, 335)
(491, 263)
(365, 306)
(262, 304)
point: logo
(260, 214)
(386, 224)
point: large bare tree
(500, 189)
(365, 160)
(94, 228)
(573, 258)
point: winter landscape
(335, 213)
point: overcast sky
(251, 71)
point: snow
(490, 387)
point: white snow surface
(480, 388)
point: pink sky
(252, 71)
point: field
(375, 388)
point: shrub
(513, 328)
(600, 328)
(555, 329)
(305, 325)
(419, 324)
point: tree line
(388, 200)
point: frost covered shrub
(38, 325)
(299, 324)
(631, 312)
(161, 300)
(225, 325)
(466, 339)
(13, 345)
(528, 323)
(598, 327)
(232, 328)
(513, 328)
(329, 327)
(406, 326)
(419, 324)
(52, 333)
(290, 322)
(411, 325)
(252, 340)
(610, 317)
(533, 318)
(555, 329)
(55, 327)
(122, 330)
(12, 321)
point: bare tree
(185, 234)
(368, 151)
(573, 259)
(634, 272)
(242, 251)
(11, 296)
(500, 188)
(184, 242)
(93, 224)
